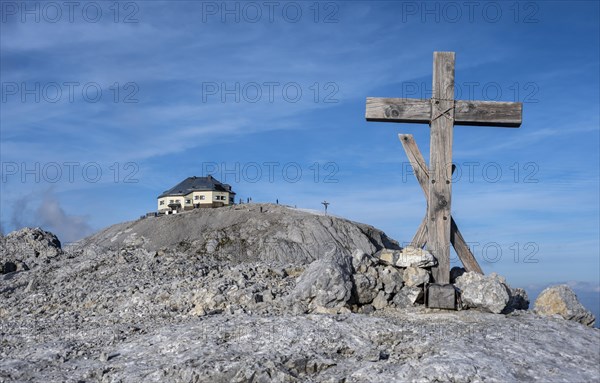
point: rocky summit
(267, 293)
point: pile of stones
(396, 279)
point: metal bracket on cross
(438, 230)
(437, 111)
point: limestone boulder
(415, 276)
(488, 293)
(391, 278)
(367, 286)
(409, 256)
(325, 284)
(381, 301)
(362, 261)
(408, 297)
(561, 300)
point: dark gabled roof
(191, 184)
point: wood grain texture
(419, 240)
(440, 161)
(488, 113)
(417, 161)
(398, 110)
(473, 113)
(462, 249)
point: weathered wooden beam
(474, 113)
(417, 161)
(419, 240)
(440, 176)
(398, 110)
(488, 113)
(422, 174)
(462, 249)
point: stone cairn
(394, 278)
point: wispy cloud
(49, 215)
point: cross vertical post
(440, 164)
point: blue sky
(150, 92)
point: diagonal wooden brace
(420, 238)
(422, 174)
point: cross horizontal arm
(488, 113)
(477, 113)
(414, 110)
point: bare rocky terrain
(265, 293)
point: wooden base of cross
(438, 229)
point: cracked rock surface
(243, 295)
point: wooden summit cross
(441, 112)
